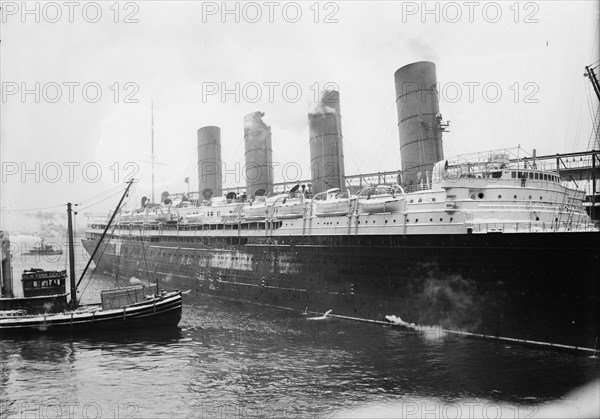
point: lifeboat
(256, 210)
(334, 204)
(291, 206)
(380, 199)
(193, 218)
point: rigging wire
(103, 249)
(60, 205)
(100, 201)
(119, 250)
(109, 190)
(145, 260)
(377, 138)
(32, 209)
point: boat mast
(104, 232)
(589, 73)
(73, 302)
(152, 145)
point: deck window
(513, 175)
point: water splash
(323, 317)
(429, 332)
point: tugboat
(43, 291)
(42, 249)
(44, 307)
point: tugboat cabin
(38, 282)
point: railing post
(593, 211)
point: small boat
(291, 206)
(43, 292)
(44, 249)
(163, 309)
(259, 209)
(121, 308)
(381, 199)
(256, 210)
(332, 203)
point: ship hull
(534, 286)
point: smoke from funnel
(326, 143)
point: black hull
(535, 286)
(165, 313)
(37, 304)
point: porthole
(541, 198)
(480, 195)
(451, 219)
(410, 202)
(529, 197)
(515, 197)
(431, 220)
(417, 220)
(473, 196)
(441, 219)
(537, 218)
(420, 200)
(499, 196)
(432, 199)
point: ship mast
(73, 302)
(152, 145)
(589, 72)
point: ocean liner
(492, 244)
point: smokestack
(259, 154)
(209, 162)
(326, 143)
(418, 122)
(6, 289)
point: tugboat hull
(165, 311)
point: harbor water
(230, 359)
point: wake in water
(428, 331)
(323, 317)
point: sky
(79, 81)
